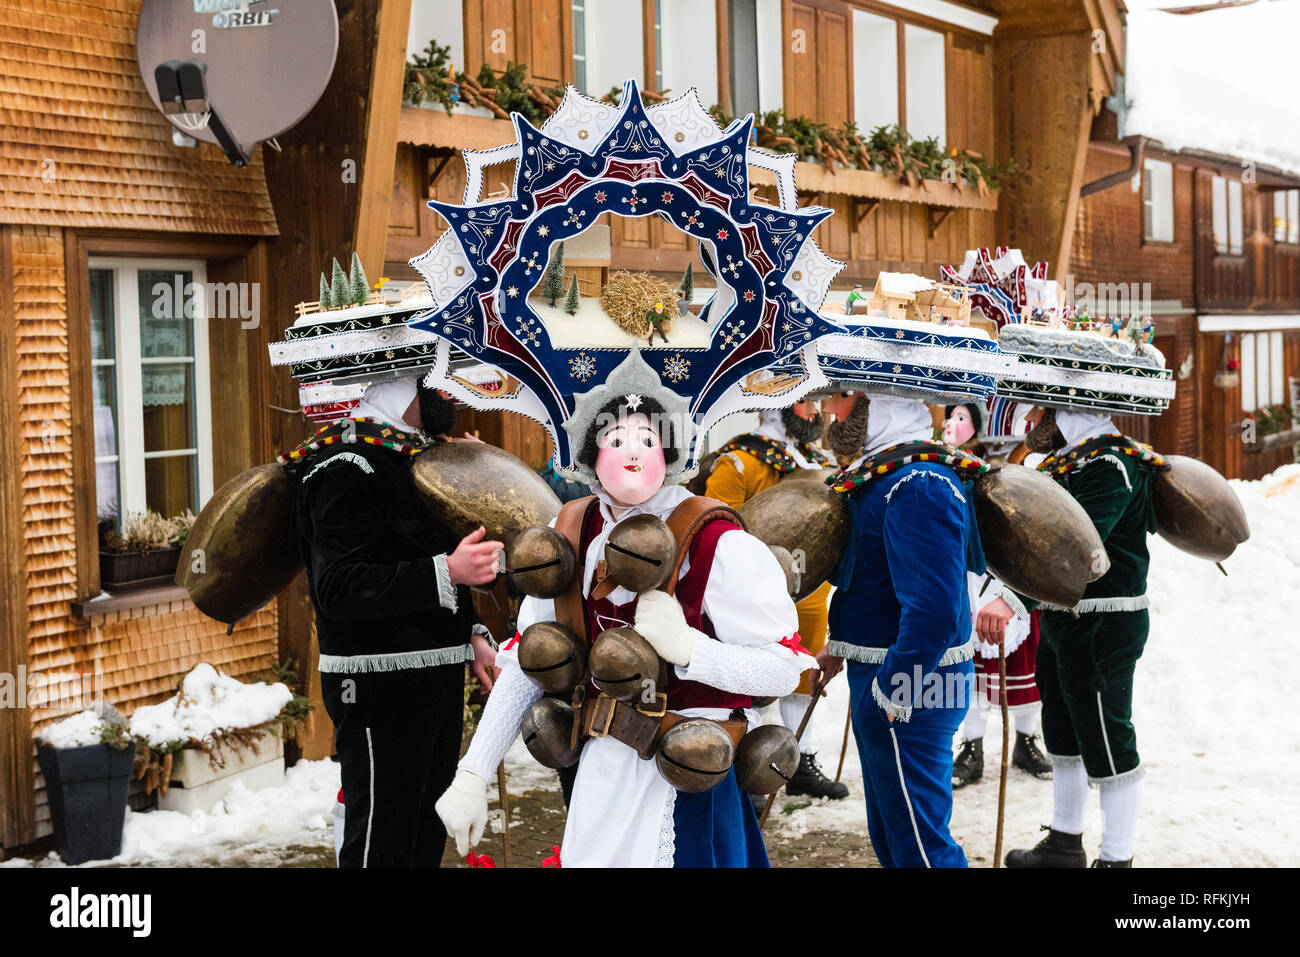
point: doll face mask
(959, 428)
(630, 460)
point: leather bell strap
(640, 732)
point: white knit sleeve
(763, 670)
(751, 613)
(512, 695)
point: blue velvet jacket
(901, 599)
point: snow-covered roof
(1222, 81)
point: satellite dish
(236, 72)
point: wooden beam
(934, 217)
(724, 55)
(17, 784)
(380, 144)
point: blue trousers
(907, 769)
(717, 828)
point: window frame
(1286, 227)
(1151, 202)
(128, 383)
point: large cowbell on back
(669, 160)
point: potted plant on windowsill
(145, 551)
(86, 760)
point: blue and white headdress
(669, 160)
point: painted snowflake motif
(512, 291)
(532, 263)
(749, 295)
(543, 231)
(732, 266)
(575, 218)
(676, 368)
(582, 367)
(526, 333)
(722, 234)
(633, 200)
(667, 197)
(550, 165)
(692, 219)
(600, 195)
(487, 231)
(733, 334)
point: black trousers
(397, 735)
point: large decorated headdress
(1055, 356)
(671, 161)
(916, 342)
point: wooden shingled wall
(85, 146)
(142, 653)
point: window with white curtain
(1262, 380)
(875, 71)
(689, 38)
(771, 44)
(580, 44)
(1286, 216)
(152, 394)
(1234, 218)
(440, 20)
(923, 55)
(612, 43)
(1158, 201)
(1219, 209)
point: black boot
(808, 779)
(1100, 863)
(1027, 756)
(968, 766)
(1055, 850)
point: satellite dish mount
(183, 88)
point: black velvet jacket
(370, 554)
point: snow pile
(1211, 704)
(270, 827)
(78, 731)
(1220, 81)
(209, 702)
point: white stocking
(1026, 718)
(1119, 813)
(793, 707)
(1069, 796)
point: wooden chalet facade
(1218, 239)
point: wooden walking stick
(844, 748)
(1006, 741)
(807, 715)
(504, 798)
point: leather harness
(639, 727)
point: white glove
(463, 809)
(661, 621)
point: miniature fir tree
(571, 301)
(553, 279)
(688, 284)
(340, 290)
(358, 282)
(325, 302)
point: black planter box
(119, 569)
(87, 789)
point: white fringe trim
(399, 661)
(875, 656)
(1064, 760)
(1117, 463)
(1115, 780)
(352, 457)
(446, 590)
(478, 628)
(666, 853)
(956, 492)
(1013, 600)
(898, 712)
(1115, 603)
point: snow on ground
(295, 814)
(1211, 706)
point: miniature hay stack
(628, 296)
